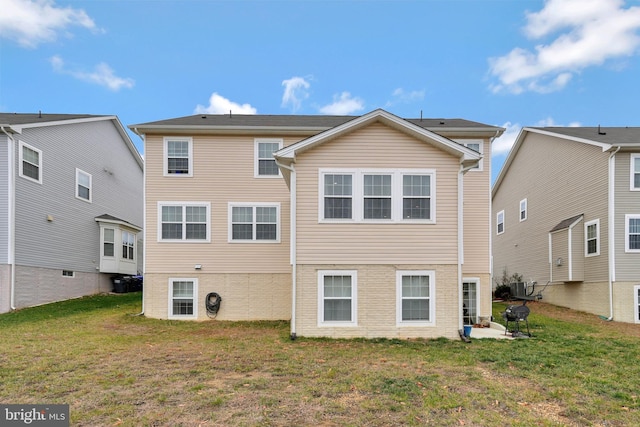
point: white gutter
(144, 221)
(293, 233)
(461, 173)
(612, 228)
(12, 217)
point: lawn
(115, 368)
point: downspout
(612, 228)
(461, 173)
(498, 132)
(292, 220)
(144, 219)
(12, 218)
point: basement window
(68, 273)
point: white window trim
(170, 314)
(480, 142)
(525, 210)
(184, 239)
(90, 199)
(165, 156)
(501, 213)
(357, 195)
(124, 244)
(354, 297)
(632, 171)
(257, 142)
(20, 160)
(68, 276)
(253, 205)
(636, 302)
(475, 280)
(432, 297)
(627, 217)
(112, 242)
(586, 238)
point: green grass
(116, 368)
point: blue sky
(510, 63)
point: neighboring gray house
(71, 203)
(566, 212)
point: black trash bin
(135, 284)
(119, 285)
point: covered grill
(517, 314)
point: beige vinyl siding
(223, 172)
(376, 146)
(560, 179)
(477, 197)
(627, 202)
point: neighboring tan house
(71, 206)
(566, 214)
(357, 226)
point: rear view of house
(349, 226)
(70, 206)
(566, 214)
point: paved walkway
(496, 331)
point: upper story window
(254, 222)
(83, 185)
(178, 156)
(500, 222)
(30, 163)
(592, 238)
(635, 172)
(184, 221)
(632, 233)
(128, 245)
(377, 195)
(523, 209)
(265, 164)
(475, 145)
(337, 302)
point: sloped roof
(30, 118)
(16, 122)
(607, 138)
(115, 220)
(283, 123)
(567, 223)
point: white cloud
(221, 105)
(590, 32)
(102, 75)
(502, 145)
(343, 104)
(401, 96)
(295, 90)
(31, 22)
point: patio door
(470, 301)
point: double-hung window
(500, 222)
(377, 195)
(523, 210)
(30, 163)
(337, 295)
(415, 302)
(128, 245)
(592, 238)
(183, 295)
(178, 156)
(184, 221)
(475, 145)
(265, 164)
(636, 302)
(254, 222)
(632, 233)
(108, 242)
(83, 185)
(635, 172)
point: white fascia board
(386, 118)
